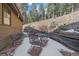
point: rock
(30, 30)
(8, 51)
(44, 41)
(75, 54)
(40, 41)
(36, 43)
(32, 38)
(35, 50)
(65, 53)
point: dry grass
(52, 24)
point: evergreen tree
(42, 11)
(33, 15)
(24, 8)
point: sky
(37, 6)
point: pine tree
(24, 8)
(42, 11)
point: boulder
(44, 42)
(35, 50)
(40, 42)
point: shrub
(10, 41)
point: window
(6, 16)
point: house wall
(15, 27)
(6, 30)
(15, 22)
(0, 13)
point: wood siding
(15, 27)
(6, 30)
(0, 13)
(15, 22)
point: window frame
(5, 6)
